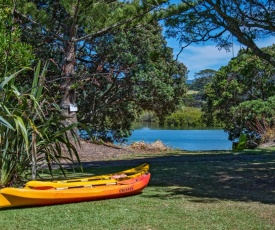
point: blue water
(192, 140)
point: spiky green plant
(31, 131)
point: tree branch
(114, 26)
(38, 24)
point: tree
(195, 96)
(65, 27)
(256, 118)
(185, 117)
(14, 53)
(202, 78)
(220, 20)
(134, 71)
(245, 80)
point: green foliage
(29, 121)
(195, 94)
(54, 23)
(186, 117)
(256, 116)
(202, 78)
(147, 116)
(112, 56)
(14, 53)
(192, 99)
(241, 92)
(133, 71)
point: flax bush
(31, 132)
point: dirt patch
(89, 152)
(94, 152)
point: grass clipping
(152, 147)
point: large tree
(241, 92)
(201, 79)
(220, 20)
(60, 29)
(133, 70)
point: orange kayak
(14, 197)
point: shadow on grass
(211, 177)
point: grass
(202, 190)
(192, 92)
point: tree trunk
(68, 70)
(68, 73)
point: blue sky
(198, 57)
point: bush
(155, 146)
(186, 117)
(31, 131)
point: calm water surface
(184, 139)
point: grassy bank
(214, 190)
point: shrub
(31, 131)
(186, 117)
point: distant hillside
(189, 82)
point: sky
(207, 56)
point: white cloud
(208, 56)
(202, 57)
(197, 58)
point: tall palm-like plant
(31, 131)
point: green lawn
(216, 190)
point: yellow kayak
(14, 197)
(107, 179)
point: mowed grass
(213, 190)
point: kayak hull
(16, 197)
